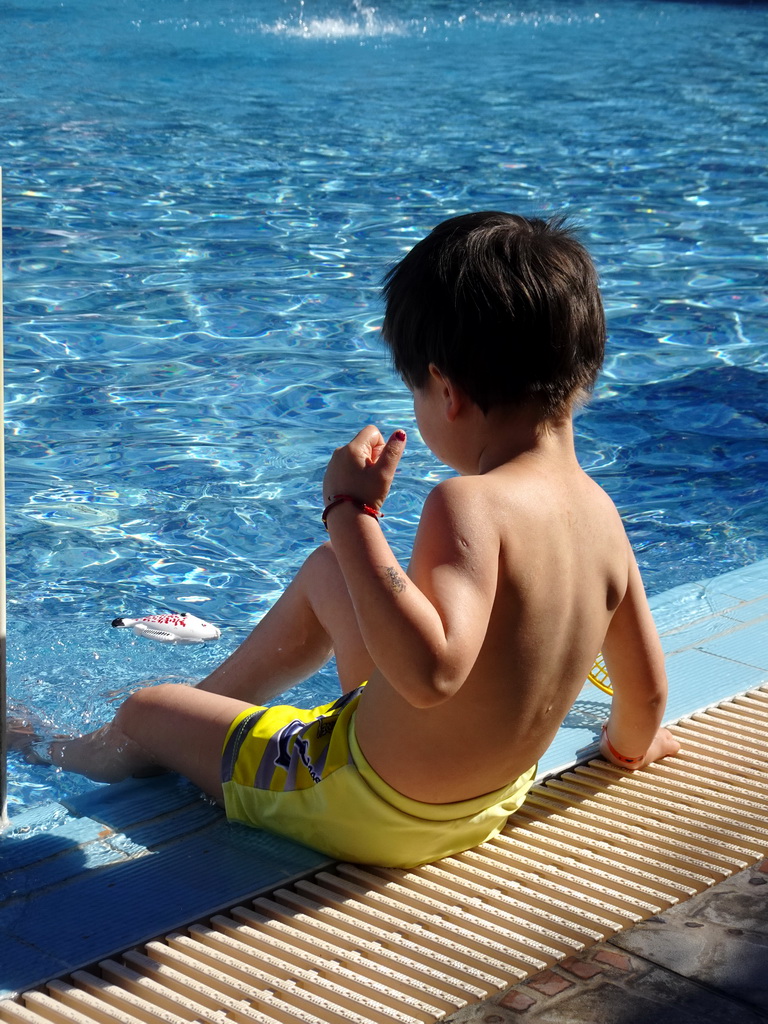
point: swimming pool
(200, 203)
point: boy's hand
(663, 744)
(364, 468)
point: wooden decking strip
(593, 851)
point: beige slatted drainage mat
(593, 851)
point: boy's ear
(454, 397)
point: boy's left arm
(423, 629)
(635, 662)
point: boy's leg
(183, 728)
(312, 620)
(167, 726)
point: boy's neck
(503, 436)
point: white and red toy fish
(172, 628)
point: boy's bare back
(538, 565)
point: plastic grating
(591, 852)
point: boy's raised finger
(393, 450)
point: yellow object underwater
(599, 676)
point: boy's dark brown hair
(506, 307)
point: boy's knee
(322, 564)
(147, 701)
(324, 553)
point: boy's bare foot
(29, 734)
(21, 730)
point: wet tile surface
(144, 857)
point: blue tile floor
(108, 869)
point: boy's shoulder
(455, 515)
(510, 482)
(456, 492)
(508, 489)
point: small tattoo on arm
(396, 581)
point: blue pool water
(200, 201)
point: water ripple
(200, 202)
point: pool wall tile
(135, 800)
(20, 963)
(744, 584)
(69, 864)
(687, 604)
(747, 645)
(100, 912)
(22, 843)
(701, 631)
(698, 679)
(748, 611)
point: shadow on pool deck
(121, 864)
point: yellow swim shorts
(301, 773)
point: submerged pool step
(593, 851)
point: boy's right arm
(635, 663)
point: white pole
(3, 676)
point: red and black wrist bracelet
(616, 754)
(339, 499)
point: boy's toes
(20, 732)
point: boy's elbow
(426, 699)
(434, 691)
(658, 700)
(657, 694)
(429, 681)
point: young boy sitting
(457, 672)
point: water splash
(360, 22)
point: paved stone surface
(702, 962)
(720, 939)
